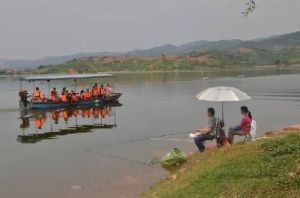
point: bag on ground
(171, 159)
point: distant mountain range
(274, 43)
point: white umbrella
(222, 94)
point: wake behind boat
(96, 96)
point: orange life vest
(95, 91)
(54, 97)
(37, 94)
(64, 98)
(102, 91)
(75, 97)
(87, 95)
(53, 93)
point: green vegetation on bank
(264, 168)
(195, 60)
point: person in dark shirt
(207, 133)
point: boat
(87, 102)
(48, 104)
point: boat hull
(94, 101)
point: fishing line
(141, 139)
(119, 158)
(91, 150)
(172, 139)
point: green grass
(265, 168)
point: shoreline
(178, 171)
(203, 70)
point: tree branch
(251, 6)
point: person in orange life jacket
(87, 94)
(74, 96)
(64, 91)
(81, 95)
(37, 94)
(54, 96)
(244, 127)
(64, 97)
(95, 91)
(102, 90)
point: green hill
(276, 50)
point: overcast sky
(38, 28)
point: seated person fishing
(244, 127)
(207, 133)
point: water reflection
(34, 129)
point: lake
(106, 151)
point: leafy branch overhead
(251, 6)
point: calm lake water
(105, 151)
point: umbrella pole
(223, 111)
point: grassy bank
(265, 168)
